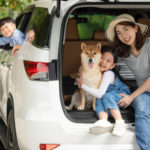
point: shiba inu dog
(91, 74)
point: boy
(10, 34)
(29, 37)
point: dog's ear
(83, 46)
(98, 46)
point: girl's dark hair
(123, 49)
(114, 51)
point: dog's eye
(94, 53)
(87, 53)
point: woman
(128, 36)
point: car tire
(12, 143)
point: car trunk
(88, 24)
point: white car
(36, 84)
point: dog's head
(90, 55)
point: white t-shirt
(108, 78)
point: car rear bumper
(71, 136)
(99, 147)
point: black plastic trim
(58, 8)
(53, 70)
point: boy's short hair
(6, 20)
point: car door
(5, 66)
(6, 62)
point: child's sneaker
(101, 127)
(119, 128)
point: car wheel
(11, 133)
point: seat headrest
(99, 35)
(72, 30)
(147, 22)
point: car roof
(68, 3)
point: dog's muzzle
(90, 63)
(90, 60)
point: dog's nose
(90, 60)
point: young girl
(128, 36)
(107, 95)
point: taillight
(37, 70)
(48, 146)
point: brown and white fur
(91, 74)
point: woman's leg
(142, 120)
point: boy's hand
(15, 48)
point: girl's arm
(127, 99)
(108, 78)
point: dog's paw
(81, 107)
(69, 107)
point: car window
(22, 21)
(40, 25)
(87, 24)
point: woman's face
(107, 62)
(127, 34)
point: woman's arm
(127, 99)
(108, 78)
(143, 88)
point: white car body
(38, 112)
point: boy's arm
(4, 40)
(18, 41)
(15, 48)
(18, 38)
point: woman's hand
(125, 101)
(79, 80)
